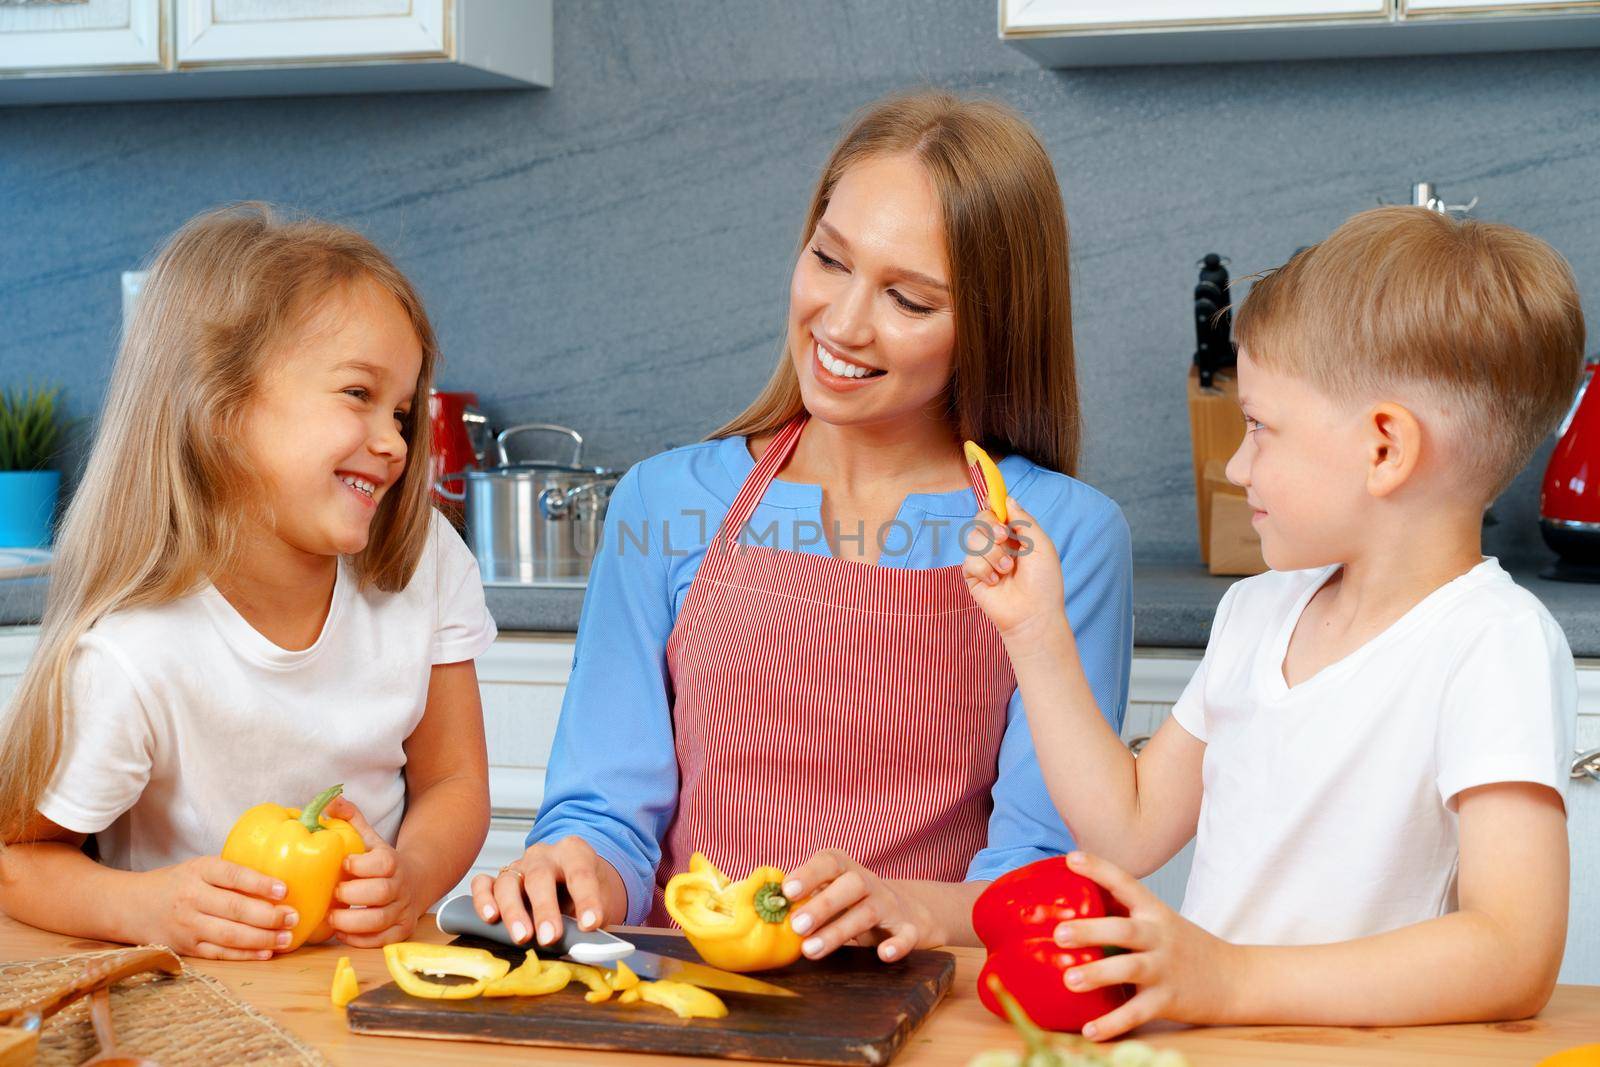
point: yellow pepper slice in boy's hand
(738, 926)
(304, 850)
(412, 963)
(994, 484)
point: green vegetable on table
(1066, 1050)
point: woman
(778, 660)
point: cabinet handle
(1587, 765)
(1136, 744)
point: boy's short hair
(1483, 318)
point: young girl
(251, 600)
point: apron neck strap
(772, 460)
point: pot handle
(451, 494)
(541, 427)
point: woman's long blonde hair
(167, 489)
(1014, 388)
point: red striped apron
(820, 702)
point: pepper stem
(1031, 1034)
(770, 903)
(311, 817)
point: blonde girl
(251, 600)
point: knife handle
(458, 916)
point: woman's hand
(848, 904)
(379, 882)
(1182, 972)
(218, 910)
(532, 883)
(1014, 574)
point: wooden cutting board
(852, 1008)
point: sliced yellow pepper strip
(599, 988)
(993, 482)
(345, 987)
(738, 926)
(686, 1001)
(629, 996)
(409, 961)
(534, 978)
(623, 977)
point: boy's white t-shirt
(1329, 808)
(183, 716)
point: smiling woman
(813, 687)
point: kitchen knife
(600, 949)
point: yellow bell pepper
(593, 977)
(738, 926)
(304, 850)
(686, 1001)
(410, 961)
(534, 978)
(345, 987)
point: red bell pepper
(1016, 919)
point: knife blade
(600, 949)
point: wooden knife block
(1228, 542)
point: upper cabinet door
(289, 31)
(87, 35)
(1043, 16)
(1507, 7)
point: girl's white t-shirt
(183, 716)
(1329, 808)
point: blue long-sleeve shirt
(613, 776)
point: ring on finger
(509, 869)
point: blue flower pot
(27, 504)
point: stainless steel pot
(534, 522)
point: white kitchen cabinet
(95, 35)
(1490, 7)
(226, 48)
(1091, 33)
(523, 679)
(273, 31)
(1046, 16)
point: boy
(1372, 753)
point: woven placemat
(188, 1019)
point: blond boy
(1371, 756)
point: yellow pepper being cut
(304, 850)
(738, 926)
(534, 978)
(345, 987)
(410, 962)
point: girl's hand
(380, 884)
(1182, 972)
(218, 910)
(533, 880)
(850, 905)
(1016, 579)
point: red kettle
(460, 434)
(1569, 500)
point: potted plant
(30, 435)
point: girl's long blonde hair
(168, 489)
(1014, 387)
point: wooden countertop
(294, 991)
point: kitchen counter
(1172, 605)
(293, 991)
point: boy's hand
(380, 885)
(218, 910)
(1182, 972)
(1017, 581)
